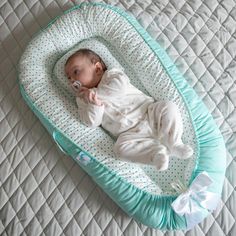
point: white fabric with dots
(119, 42)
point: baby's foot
(182, 151)
(161, 159)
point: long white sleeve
(90, 115)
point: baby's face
(80, 68)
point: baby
(147, 132)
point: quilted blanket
(42, 191)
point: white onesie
(148, 132)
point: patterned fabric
(199, 36)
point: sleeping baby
(147, 131)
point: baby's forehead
(73, 57)
(76, 60)
(77, 57)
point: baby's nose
(71, 79)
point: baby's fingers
(91, 96)
(96, 100)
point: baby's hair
(94, 58)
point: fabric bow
(194, 201)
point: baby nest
(178, 198)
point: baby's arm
(90, 114)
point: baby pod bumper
(178, 198)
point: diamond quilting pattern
(45, 193)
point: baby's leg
(144, 150)
(170, 129)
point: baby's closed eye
(76, 71)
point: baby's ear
(98, 67)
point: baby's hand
(96, 101)
(89, 96)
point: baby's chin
(96, 81)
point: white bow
(192, 202)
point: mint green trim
(154, 211)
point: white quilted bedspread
(42, 191)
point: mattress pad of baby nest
(177, 198)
